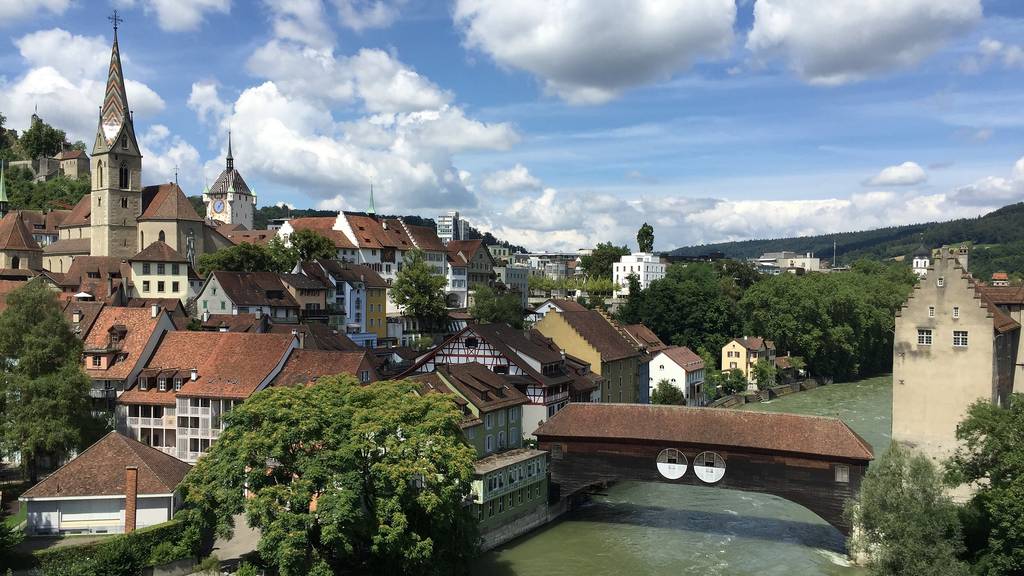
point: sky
(556, 124)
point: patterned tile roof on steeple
(115, 116)
(230, 180)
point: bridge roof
(812, 436)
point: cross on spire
(116, 20)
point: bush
(246, 569)
(123, 552)
(209, 564)
(166, 552)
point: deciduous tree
(490, 307)
(598, 264)
(906, 524)
(243, 257)
(665, 393)
(645, 238)
(41, 139)
(343, 479)
(419, 290)
(311, 245)
(764, 374)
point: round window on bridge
(671, 463)
(709, 467)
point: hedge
(122, 555)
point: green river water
(662, 530)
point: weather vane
(115, 20)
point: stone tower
(116, 170)
(230, 200)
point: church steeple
(115, 116)
(372, 211)
(231, 159)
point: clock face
(218, 206)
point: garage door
(90, 515)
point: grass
(14, 520)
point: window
(472, 342)
(96, 361)
(960, 338)
(956, 311)
(489, 421)
(931, 311)
(175, 268)
(160, 268)
(175, 286)
(145, 285)
(124, 177)
(206, 305)
(177, 384)
(924, 337)
(222, 305)
(364, 376)
(501, 418)
(145, 267)
(161, 384)
(162, 237)
(15, 262)
(124, 202)
(124, 141)
(501, 440)
(513, 437)
(940, 282)
(842, 473)
(513, 414)
(160, 286)
(489, 443)
(143, 384)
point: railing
(550, 399)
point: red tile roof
(645, 337)
(14, 235)
(90, 274)
(1003, 295)
(99, 471)
(87, 314)
(323, 225)
(159, 252)
(754, 343)
(6, 287)
(139, 325)
(425, 238)
(255, 289)
(79, 215)
(167, 202)
(486, 390)
(232, 322)
(69, 246)
(684, 357)
(600, 333)
(306, 366)
(566, 305)
(261, 237)
(229, 364)
(1000, 276)
(708, 428)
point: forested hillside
(1002, 227)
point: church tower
(116, 169)
(230, 200)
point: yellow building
(376, 310)
(743, 353)
(591, 337)
(160, 272)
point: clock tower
(230, 200)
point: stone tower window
(163, 238)
(124, 141)
(15, 262)
(125, 174)
(124, 202)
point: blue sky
(558, 123)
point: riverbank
(664, 529)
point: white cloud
(994, 190)
(302, 21)
(164, 153)
(515, 179)
(841, 41)
(206, 103)
(363, 14)
(65, 80)
(184, 15)
(905, 174)
(12, 10)
(991, 51)
(589, 52)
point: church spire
(371, 211)
(231, 159)
(114, 114)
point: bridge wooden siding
(580, 460)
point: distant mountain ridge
(994, 232)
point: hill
(998, 237)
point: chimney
(195, 374)
(154, 310)
(76, 316)
(131, 492)
(206, 316)
(301, 336)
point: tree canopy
(645, 238)
(44, 393)
(311, 245)
(665, 393)
(247, 257)
(41, 139)
(491, 307)
(907, 524)
(419, 290)
(990, 458)
(598, 264)
(59, 192)
(361, 480)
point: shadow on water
(809, 534)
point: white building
(922, 260)
(451, 227)
(516, 279)
(647, 268)
(116, 485)
(682, 368)
(775, 263)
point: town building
(246, 292)
(509, 493)
(456, 291)
(591, 336)
(305, 367)
(159, 271)
(922, 260)
(775, 263)
(177, 402)
(646, 267)
(500, 253)
(1010, 300)
(310, 294)
(42, 225)
(480, 264)
(356, 298)
(953, 346)
(1000, 279)
(116, 347)
(743, 353)
(117, 485)
(555, 305)
(68, 163)
(515, 279)
(100, 278)
(229, 199)
(648, 343)
(20, 254)
(549, 378)
(451, 227)
(683, 369)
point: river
(662, 529)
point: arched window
(163, 238)
(99, 173)
(15, 262)
(124, 179)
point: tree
(733, 381)
(490, 307)
(363, 480)
(598, 264)
(311, 245)
(41, 139)
(906, 524)
(44, 394)
(666, 393)
(764, 374)
(243, 257)
(419, 290)
(645, 238)
(990, 458)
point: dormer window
(177, 384)
(96, 361)
(124, 141)
(143, 384)
(161, 384)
